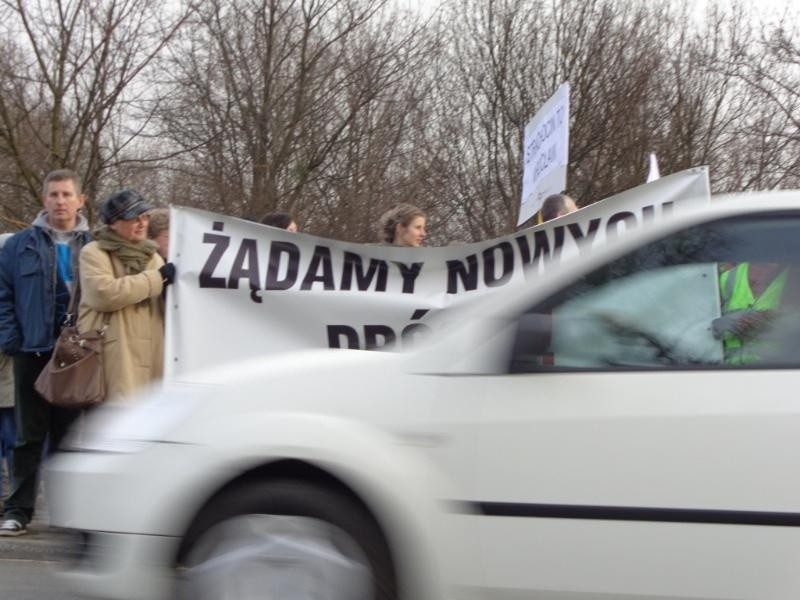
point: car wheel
(285, 539)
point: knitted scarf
(133, 255)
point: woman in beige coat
(122, 278)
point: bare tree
(70, 96)
(768, 71)
(334, 109)
(644, 77)
(374, 163)
(291, 104)
(508, 57)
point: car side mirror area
(531, 342)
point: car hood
(370, 387)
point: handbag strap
(71, 317)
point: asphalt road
(23, 579)
(28, 562)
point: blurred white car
(582, 436)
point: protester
(557, 205)
(122, 279)
(281, 220)
(158, 230)
(402, 225)
(37, 268)
(8, 427)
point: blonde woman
(403, 225)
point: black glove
(167, 273)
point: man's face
(62, 202)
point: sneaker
(12, 528)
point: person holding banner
(557, 205)
(122, 278)
(403, 225)
(158, 230)
(281, 220)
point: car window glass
(722, 295)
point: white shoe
(12, 528)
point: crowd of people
(117, 276)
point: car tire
(285, 539)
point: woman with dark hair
(281, 220)
(122, 278)
(403, 225)
(557, 205)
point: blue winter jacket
(32, 298)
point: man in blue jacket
(38, 267)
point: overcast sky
(761, 8)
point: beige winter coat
(133, 349)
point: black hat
(125, 204)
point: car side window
(722, 295)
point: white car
(582, 436)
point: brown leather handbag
(73, 377)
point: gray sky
(761, 8)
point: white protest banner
(545, 153)
(244, 289)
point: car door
(622, 455)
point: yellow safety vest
(737, 295)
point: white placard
(545, 152)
